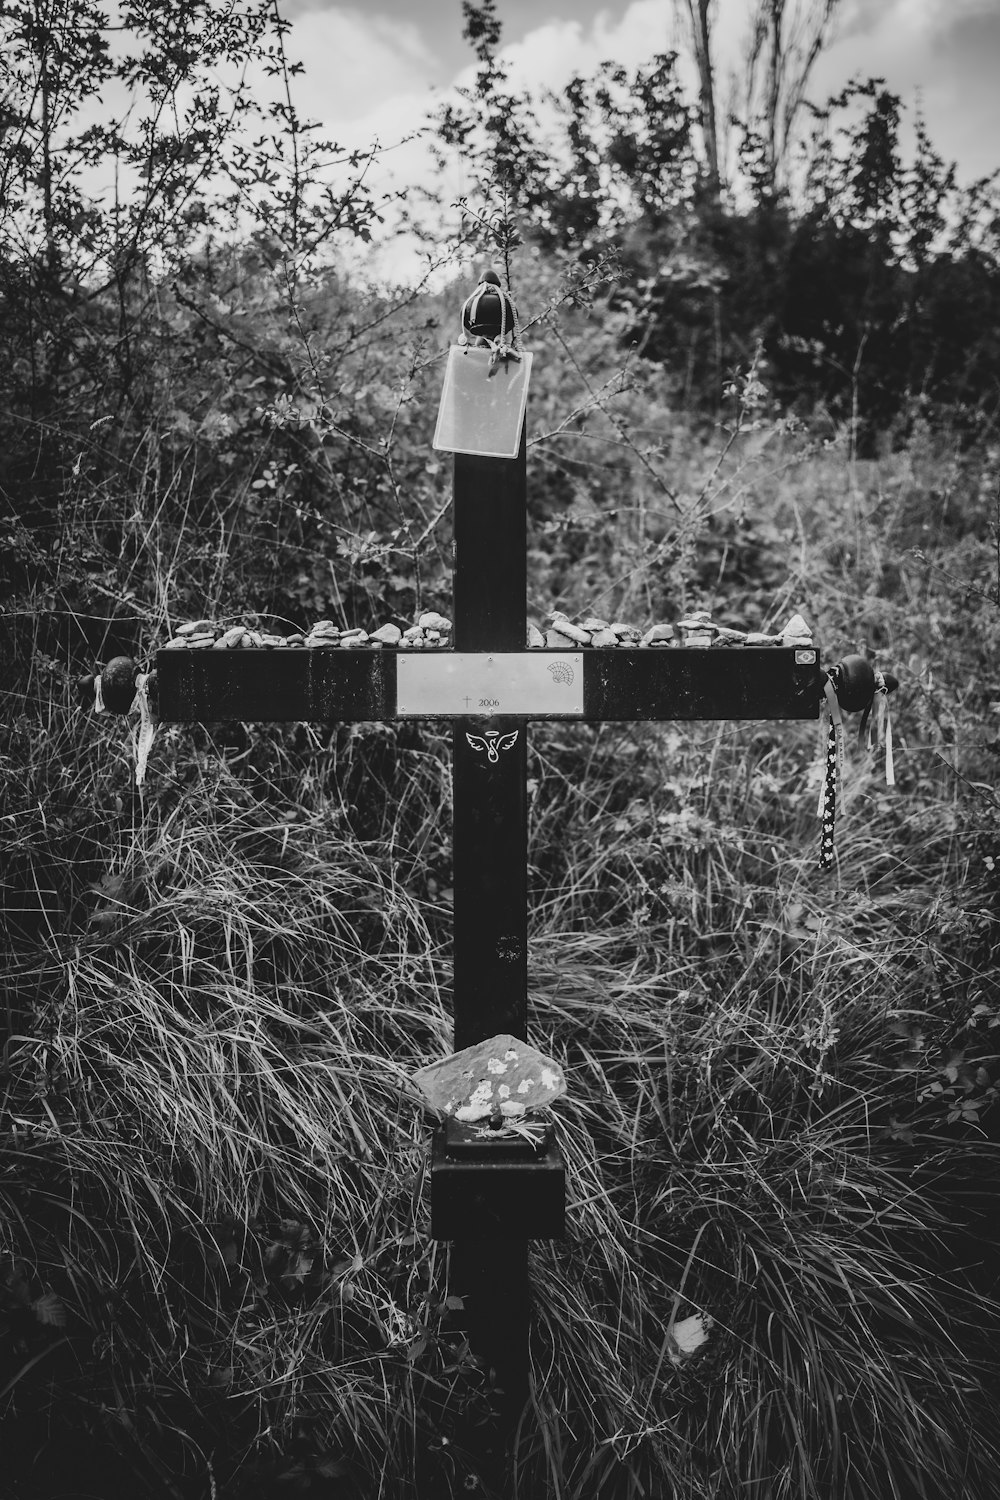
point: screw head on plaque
(486, 379)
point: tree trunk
(784, 43)
(701, 37)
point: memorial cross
(491, 1196)
(491, 1200)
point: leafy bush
(216, 1276)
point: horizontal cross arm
(323, 686)
(330, 686)
(690, 682)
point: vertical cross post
(490, 828)
(490, 869)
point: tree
(785, 41)
(700, 16)
(782, 46)
(206, 128)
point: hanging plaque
(483, 402)
(519, 684)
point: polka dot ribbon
(878, 722)
(502, 347)
(831, 800)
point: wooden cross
(490, 1196)
(491, 1199)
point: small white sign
(472, 684)
(483, 403)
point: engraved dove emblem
(493, 742)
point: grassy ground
(216, 1277)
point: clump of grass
(213, 1157)
(752, 1114)
(744, 1161)
(214, 1242)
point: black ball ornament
(118, 684)
(489, 312)
(854, 683)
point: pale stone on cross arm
(576, 633)
(796, 632)
(695, 630)
(232, 638)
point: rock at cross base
(502, 1075)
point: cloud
(354, 61)
(907, 19)
(550, 54)
(369, 77)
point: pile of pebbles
(433, 631)
(561, 634)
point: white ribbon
(883, 725)
(502, 347)
(144, 732)
(498, 351)
(100, 707)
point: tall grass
(216, 1276)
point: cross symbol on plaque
(491, 1202)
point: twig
(992, 596)
(657, 479)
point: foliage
(767, 1055)
(870, 280)
(216, 1276)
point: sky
(373, 71)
